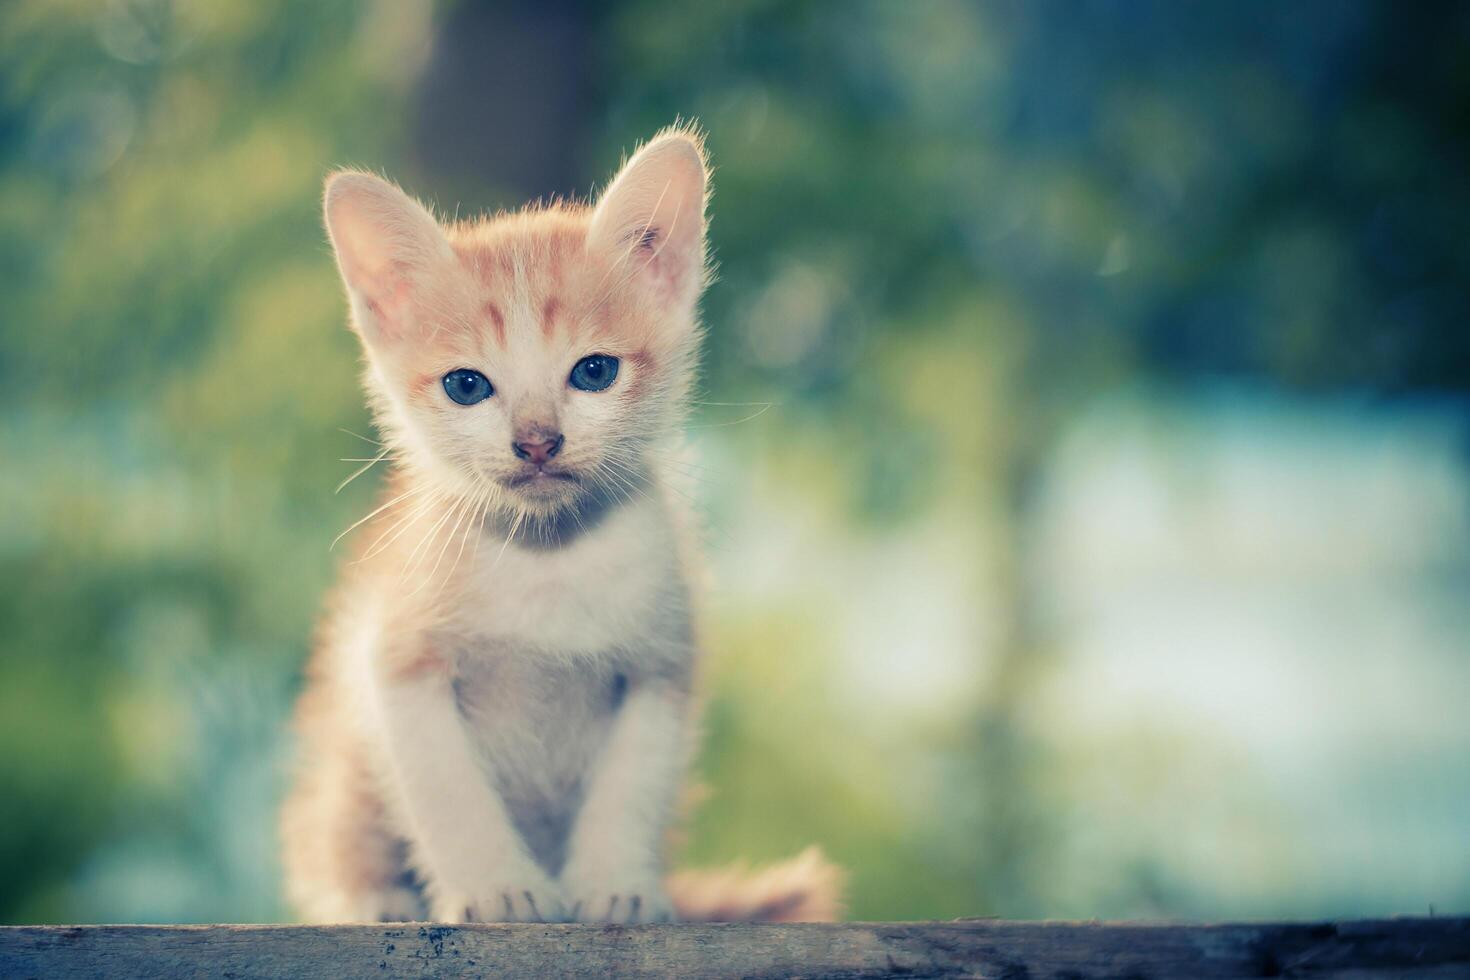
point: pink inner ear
(387, 291)
(391, 307)
(661, 259)
(668, 272)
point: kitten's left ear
(654, 209)
(388, 247)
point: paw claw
(622, 908)
(497, 904)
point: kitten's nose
(539, 452)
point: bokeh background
(1084, 434)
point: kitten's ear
(654, 208)
(387, 246)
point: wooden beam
(1436, 948)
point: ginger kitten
(498, 715)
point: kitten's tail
(807, 888)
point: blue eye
(467, 387)
(595, 373)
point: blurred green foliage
(942, 228)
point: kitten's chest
(538, 726)
(611, 589)
(541, 715)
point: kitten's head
(534, 358)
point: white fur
(597, 594)
(613, 600)
(475, 864)
(614, 849)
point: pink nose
(539, 452)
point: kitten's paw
(625, 904)
(537, 901)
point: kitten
(499, 715)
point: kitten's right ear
(387, 246)
(653, 211)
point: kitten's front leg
(476, 865)
(614, 869)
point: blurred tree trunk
(502, 110)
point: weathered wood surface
(1416, 948)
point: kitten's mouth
(539, 479)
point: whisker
(375, 513)
(448, 539)
(520, 515)
(415, 557)
(484, 506)
(358, 435)
(684, 469)
(480, 530)
(403, 524)
(625, 488)
(720, 425)
(367, 465)
(694, 401)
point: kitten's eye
(467, 387)
(594, 373)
